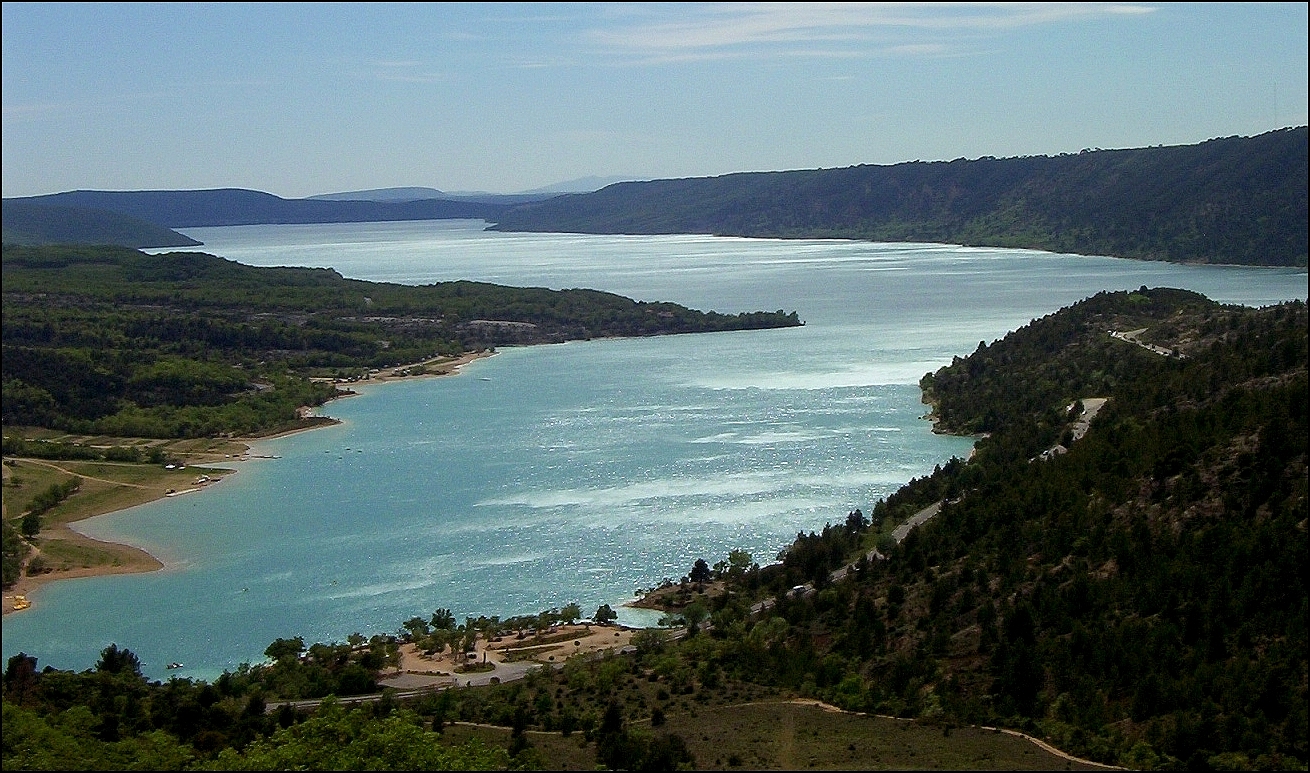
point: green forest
(1128, 587)
(1239, 200)
(112, 341)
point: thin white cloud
(107, 101)
(405, 71)
(398, 77)
(919, 49)
(823, 29)
(32, 112)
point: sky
(300, 99)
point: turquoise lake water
(577, 472)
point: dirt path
(67, 471)
(787, 743)
(115, 558)
(1035, 741)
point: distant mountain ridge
(584, 184)
(419, 193)
(26, 223)
(237, 206)
(383, 194)
(427, 194)
(1238, 200)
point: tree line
(104, 340)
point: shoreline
(128, 559)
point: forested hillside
(26, 223)
(1135, 594)
(108, 340)
(1235, 200)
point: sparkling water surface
(576, 472)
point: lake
(579, 472)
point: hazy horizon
(300, 100)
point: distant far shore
(116, 558)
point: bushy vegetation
(13, 550)
(51, 449)
(112, 718)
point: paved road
(899, 534)
(1131, 337)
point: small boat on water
(174, 664)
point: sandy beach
(125, 559)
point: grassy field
(784, 735)
(105, 487)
